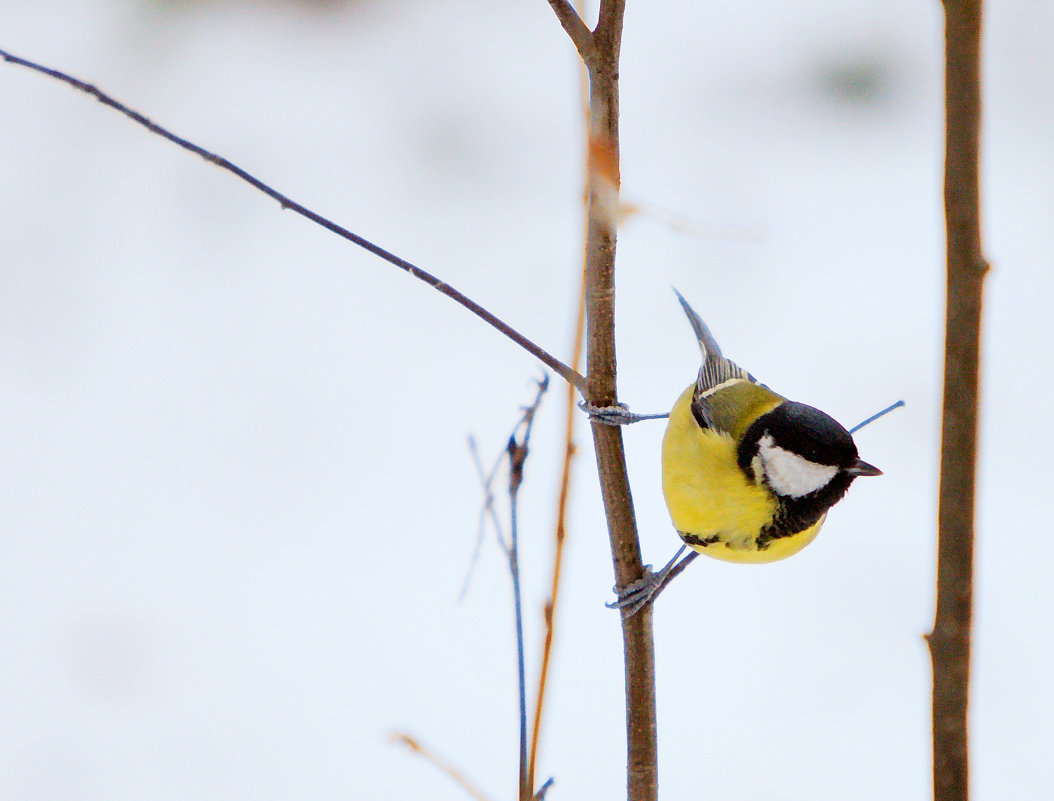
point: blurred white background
(236, 504)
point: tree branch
(576, 29)
(637, 638)
(561, 369)
(950, 640)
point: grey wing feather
(715, 370)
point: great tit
(748, 475)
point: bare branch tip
(401, 738)
(540, 795)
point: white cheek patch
(789, 474)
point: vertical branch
(950, 639)
(600, 52)
(517, 454)
(516, 458)
(637, 640)
(558, 551)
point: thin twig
(542, 355)
(517, 453)
(682, 224)
(876, 416)
(486, 480)
(950, 639)
(455, 775)
(570, 450)
(576, 29)
(524, 791)
(540, 795)
(558, 552)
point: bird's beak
(862, 468)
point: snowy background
(236, 503)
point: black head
(800, 451)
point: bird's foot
(617, 415)
(634, 597)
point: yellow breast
(709, 496)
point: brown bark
(966, 267)
(637, 637)
(600, 52)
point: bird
(748, 475)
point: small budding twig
(517, 453)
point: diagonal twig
(486, 511)
(455, 775)
(540, 795)
(439, 285)
(576, 29)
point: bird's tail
(707, 344)
(716, 369)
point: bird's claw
(633, 597)
(617, 415)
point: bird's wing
(716, 372)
